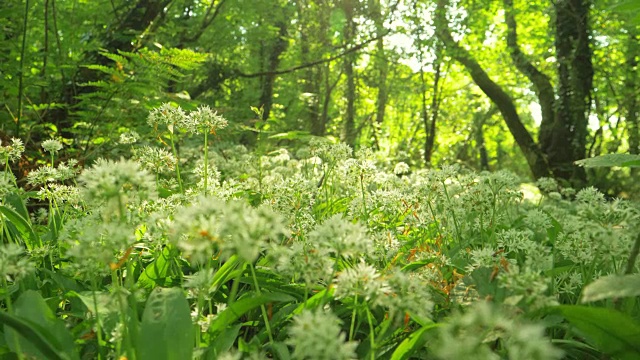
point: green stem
(364, 198)
(633, 255)
(265, 317)
(175, 154)
(353, 317)
(206, 162)
(97, 318)
(372, 334)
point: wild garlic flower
(302, 263)
(590, 196)
(329, 153)
(167, 115)
(547, 185)
(526, 288)
(211, 225)
(52, 146)
(317, 335)
(199, 283)
(95, 245)
(407, 294)
(537, 220)
(108, 180)
(59, 194)
(154, 159)
(129, 137)
(362, 281)
(7, 183)
(11, 152)
(342, 237)
(204, 119)
(14, 265)
(42, 175)
(468, 335)
(401, 168)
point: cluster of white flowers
(317, 335)
(200, 121)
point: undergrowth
(215, 252)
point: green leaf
(627, 6)
(412, 343)
(224, 341)
(241, 307)
(608, 330)
(290, 135)
(17, 204)
(166, 331)
(30, 331)
(33, 310)
(611, 160)
(224, 273)
(107, 309)
(614, 286)
(23, 227)
(156, 272)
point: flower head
(52, 146)
(316, 335)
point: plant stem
(262, 308)
(371, 334)
(353, 317)
(175, 154)
(633, 255)
(97, 318)
(206, 162)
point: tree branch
(536, 160)
(313, 63)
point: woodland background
(529, 86)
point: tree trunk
(280, 45)
(430, 126)
(535, 159)
(349, 130)
(382, 64)
(118, 36)
(313, 75)
(566, 143)
(631, 90)
(541, 82)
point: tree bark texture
(566, 142)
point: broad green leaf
(611, 160)
(107, 308)
(23, 227)
(614, 286)
(608, 330)
(224, 341)
(17, 204)
(156, 272)
(167, 332)
(29, 330)
(241, 307)
(32, 308)
(412, 343)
